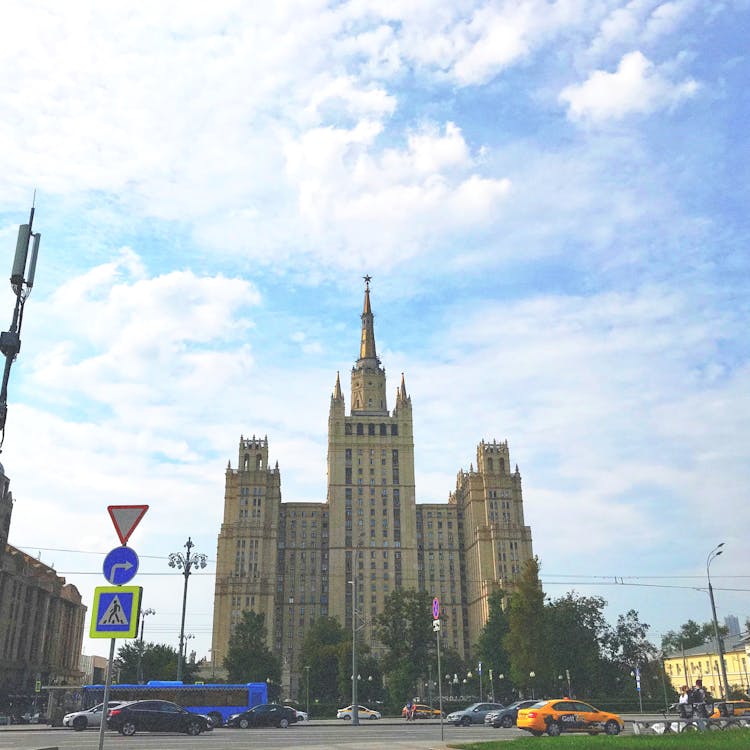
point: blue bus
(218, 702)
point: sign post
(117, 608)
(436, 628)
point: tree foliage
(490, 649)
(405, 628)
(158, 662)
(525, 640)
(321, 651)
(689, 635)
(248, 658)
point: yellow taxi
(422, 711)
(731, 708)
(566, 715)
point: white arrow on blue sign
(120, 565)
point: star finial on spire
(367, 279)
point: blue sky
(551, 198)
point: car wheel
(347, 717)
(128, 729)
(244, 723)
(283, 723)
(217, 720)
(373, 716)
(507, 722)
(536, 732)
(612, 727)
(554, 729)
(465, 721)
(79, 723)
(193, 728)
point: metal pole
(140, 651)
(182, 623)
(719, 640)
(307, 681)
(440, 688)
(107, 683)
(355, 705)
(480, 681)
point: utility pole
(719, 640)
(21, 281)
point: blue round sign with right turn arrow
(120, 565)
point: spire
(337, 394)
(402, 389)
(367, 346)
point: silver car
(91, 717)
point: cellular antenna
(21, 281)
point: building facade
(41, 616)
(296, 561)
(685, 667)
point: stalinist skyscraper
(294, 561)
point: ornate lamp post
(715, 552)
(532, 675)
(307, 690)
(185, 563)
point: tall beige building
(296, 562)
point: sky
(551, 199)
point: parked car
(363, 713)
(265, 715)
(507, 716)
(730, 708)
(301, 715)
(91, 717)
(557, 716)
(422, 711)
(473, 714)
(156, 716)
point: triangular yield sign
(126, 518)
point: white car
(301, 715)
(91, 717)
(362, 712)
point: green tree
(158, 662)
(490, 648)
(248, 658)
(689, 635)
(320, 651)
(628, 641)
(525, 640)
(404, 627)
(576, 629)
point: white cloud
(636, 87)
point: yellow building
(684, 668)
(298, 561)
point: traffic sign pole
(107, 683)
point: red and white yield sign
(126, 518)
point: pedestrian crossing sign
(115, 612)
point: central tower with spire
(371, 493)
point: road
(370, 735)
(316, 735)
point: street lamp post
(532, 675)
(145, 612)
(21, 281)
(185, 563)
(715, 552)
(480, 681)
(355, 705)
(307, 690)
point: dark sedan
(156, 716)
(507, 716)
(265, 715)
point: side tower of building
(247, 549)
(371, 494)
(494, 540)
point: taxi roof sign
(126, 518)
